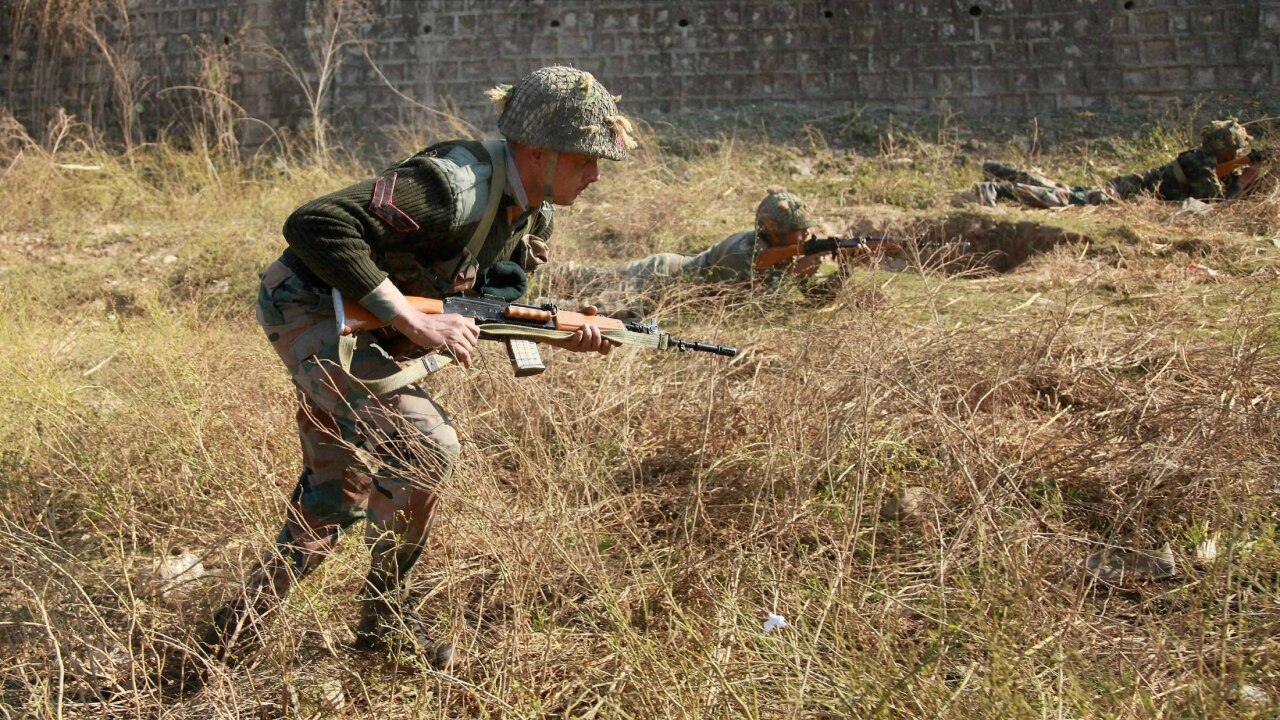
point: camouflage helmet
(564, 109)
(1224, 136)
(781, 212)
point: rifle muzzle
(683, 345)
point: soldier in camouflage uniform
(429, 225)
(1190, 175)
(781, 219)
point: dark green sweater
(342, 240)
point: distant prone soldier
(781, 244)
(1218, 169)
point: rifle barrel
(683, 345)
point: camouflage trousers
(1034, 190)
(636, 275)
(624, 290)
(376, 459)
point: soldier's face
(574, 173)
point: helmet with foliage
(1224, 136)
(563, 109)
(781, 212)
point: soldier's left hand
(808, 265)
(588, 339)
(857, 255)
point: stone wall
(981, 57)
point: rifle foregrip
(528, 314)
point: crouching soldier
(430, 226)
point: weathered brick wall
(975, 56)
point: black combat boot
(390, 624)
(236, 629)
(992, 170)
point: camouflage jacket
(413, 224)
(730, 260)
(1190, 175)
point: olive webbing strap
(476, 247)
(549, 180)
(615, 336)
(410, 372)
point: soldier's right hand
(453, 333)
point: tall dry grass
(618, 529)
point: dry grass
(618, 530)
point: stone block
(937, 56)
(1140, 79)
(1159, 52)
(1080, 102)
(1152, 23)
(1192, 50)
(993, 29)
(976, 54)
(1175, 78)
(1127, 53)
(1271, 19)
(1204, 78)
(988, 82)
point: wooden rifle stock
(1254, 157)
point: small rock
(1199, 269)
(800, 168)
(1195, 207)
(332, 696)
(172, 575)
(909, 503)
(1117, 565)
(169, 259)
(99, 666)
(1253, 696)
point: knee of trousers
(429, 449)
(324, 500)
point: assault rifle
(519, 326)
(1259, 156)
(772, 256)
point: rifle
(1258, 156)
(518, 326)
(771, 256)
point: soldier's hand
(808, 265)
(587, 339)
(1262, 155)
(858, 254)
(453, 333)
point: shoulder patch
(382, 205)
